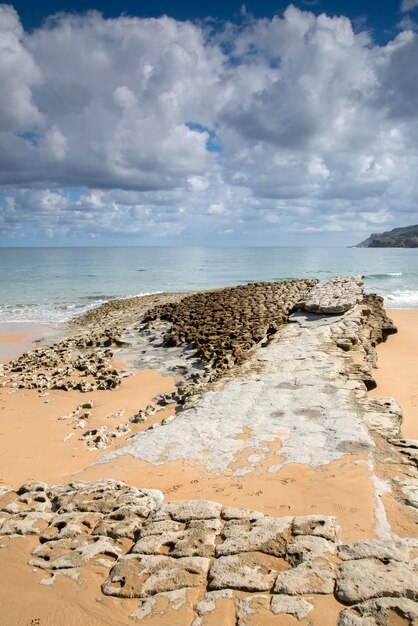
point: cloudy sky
(225, 124)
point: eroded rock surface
(227, 565)
(240, 564)
(225, 324)
(337, 296)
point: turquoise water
(54, 284)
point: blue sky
(217, 123)
(379, 17)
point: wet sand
(19, 337)
(397, 371)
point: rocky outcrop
(225, 324)
(63, 366)
(337, 296)
(257, 564)
(362, 328)
(301, 386)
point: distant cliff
(406, 237)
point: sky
(210, 123)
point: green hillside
(406, 237)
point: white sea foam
(405, 299)
(54, 313)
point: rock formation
(200, 553)
(271, 361)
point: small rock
(298, 607)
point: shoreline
(19, 337)
(44, 429)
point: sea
(52, 285)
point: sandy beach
(397, 372)
(38, 441)
(18, 337)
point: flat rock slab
(317, 525)
(184, 510)
(197, 538)
(248, 571)
(70, 553)
(316, 576)
(139, 576)
(364, 579)
(25, 524)
(268, 535)
(381, 612)
(197, 563)
(379, 549)
(308, 548)
(294, 389)
(337, 296)
(298, 607)
(68, 525)
(104, 497)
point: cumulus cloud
(158, 128)
(409, 5)
(19, 74)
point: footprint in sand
(173, 488)
(35, 621)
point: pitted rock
(315, 576)
(29, 502)
(317, 525)
(140, 576)
(364, 579)
(209, 607)
(74, 552)
(68, 525)
(266, 534)
(337, 296)
(232, 512)
(119, 524)
(379, 549)
(105, 496)
(298, 607)
(152, 527)
(185, 510)
(32, 485)
(308, 547)
(248, 571)
(25, 524)
(175, 600)
(381, 612)
(196, 539)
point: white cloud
(409, 5)
(172, 130)
(19, 73)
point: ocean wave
(384, 276)
(405, 299)
(100, 296)
(57, 312)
